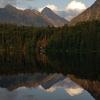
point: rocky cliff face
(92, 13)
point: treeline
(18, 44)
(84, 37)
(17, 47)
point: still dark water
(45, 77)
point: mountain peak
(53, 17)
(8, 6)
(47, 10)
(90, 14)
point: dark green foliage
(84, 37)
(19, 44)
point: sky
(73, 7)
(37, 4)
(54, 4)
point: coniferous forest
(18, 45)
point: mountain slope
(27, 17)
(53, 18)
(92, 13)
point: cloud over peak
(74, 8)
(76, 5)
(51, 6)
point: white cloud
(51, 6)
(76, 5)
(74, 91)
(20, 8)
(74, 8)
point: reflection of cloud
(20, 8)
(74, 91)
(51, 6)
(52, 89)
(20, 88)
(69, 86)
(24, 93)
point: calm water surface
(56, 77)
(41, 87)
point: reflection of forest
(41, 57)
(85, 66)
(92, 86)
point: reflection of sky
(69, 86)
(63, 90)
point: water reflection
(83, 65)
(91, 86)
(62, 89)
(86, 67)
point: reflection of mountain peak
(36, 12)
(9, 6)
(67, 84)
(61, 90)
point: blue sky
(71, 8)
(60, 4)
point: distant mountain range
(28, 17)
(47, 17)
(92, 13)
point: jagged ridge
(27, 17)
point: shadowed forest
(19, 46)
